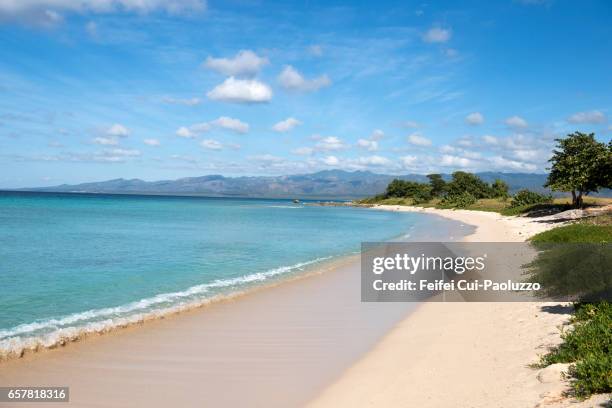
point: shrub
(589, 346)
(527, 197)
(499, 189)
(592, 375)
(461, 200)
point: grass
(491, 204)
(595, 229)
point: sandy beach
(463, 354)
(311, 341)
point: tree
(580, 165)
(438, 185)
(468, 183)
(499, 189)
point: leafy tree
(499, 189)
(438, 185)
(580, 165)
(463, 182)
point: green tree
(463, 182)
(499, 189)
(580, 165)
(438, 185)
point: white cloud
(245, 63)
(292, 80)
(437, 35)
(516, 122)
(370, 145)
(330, 143)
(124, 152)
(46, 12)
(231, 124)
(182, 101)
(331, 160)
(418, 140)
(373, 161)
(455, 161)
(151, 142)
(223, 122)
(592, 117)
(506, 164)
(211, 144)
(490, 140)
(474, 119)
(286, 125)
(303, 151)
(241, 91)
(106, 141)
(377, 134)
(267, 158)
(185, 132)
(118, 130)
(409, 161)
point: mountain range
(327, 184)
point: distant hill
(328, 184)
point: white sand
(462, 354)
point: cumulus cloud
(437, 35)
(241, 91)
(370, 145)
(211, 144)
(244, 63)
(185, 132)
(118, 130)
(330, 160)
(292, 80)
(448, 160)
(48, 12)
(182, 101)
(330, 143)
(409, 161)
(516, 122)
(151, 142)
(377, 134)
(223, 122)
(286, 125)
(418, 140)
(490, 140)
(592, 117)
(231, 124)
(474, 119)
(373, 161)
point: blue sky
(100, 89)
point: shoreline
(280, 346)
(464, 354)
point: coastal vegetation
(587, 345)
(580, 165)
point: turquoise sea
(75, 263)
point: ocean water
(72, 264)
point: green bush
(527, 197)
(461, 200)
(589, 346)
(592, 375)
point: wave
(57, 331)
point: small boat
(296, 201)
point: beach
(311, 341)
